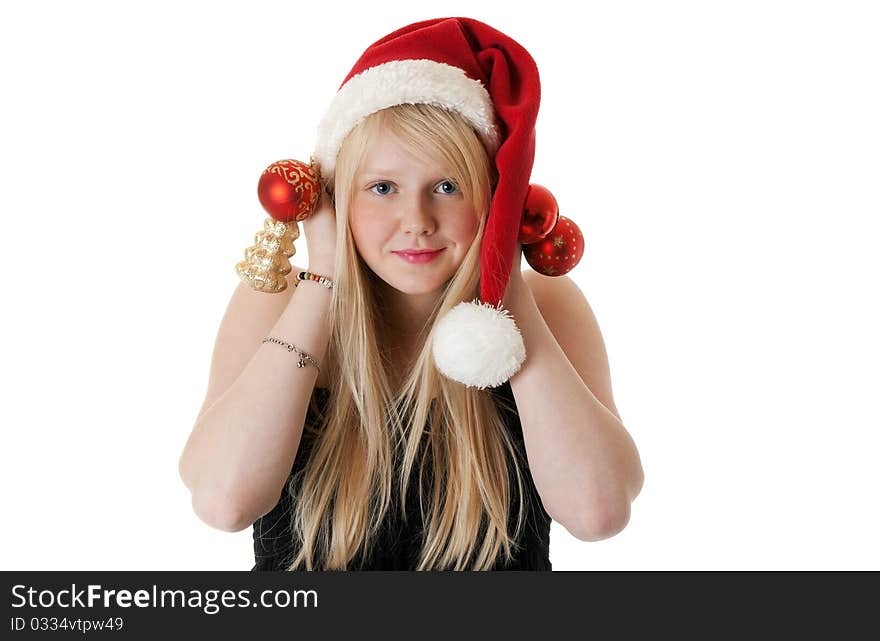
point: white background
(721, 159)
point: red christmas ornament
(539, 215)
(559, 251)
(288, 190)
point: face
(400, 202)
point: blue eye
(449, 182)
(376, 185)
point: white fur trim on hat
(398, 82)
(478, 345)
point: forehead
(386, 155)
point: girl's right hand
(320, 231)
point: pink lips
(419, 258)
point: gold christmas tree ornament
(288, 191)
(266, 262)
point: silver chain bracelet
(303, 356)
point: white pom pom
(478, 345)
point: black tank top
(398, 544)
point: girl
(369, 457)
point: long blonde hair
(371, 437)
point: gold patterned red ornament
(289, 191)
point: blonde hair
(373, 439)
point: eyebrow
(392, 174)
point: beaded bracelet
(323, 280)
(303, 356)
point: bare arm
(584, 462)
(246, 436)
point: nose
(417, 218)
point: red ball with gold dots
(288, 190)
(559, 251)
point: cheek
(367, 237)
(466, 228)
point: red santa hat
(465, 66)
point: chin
(417, 285)
(418, 288)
